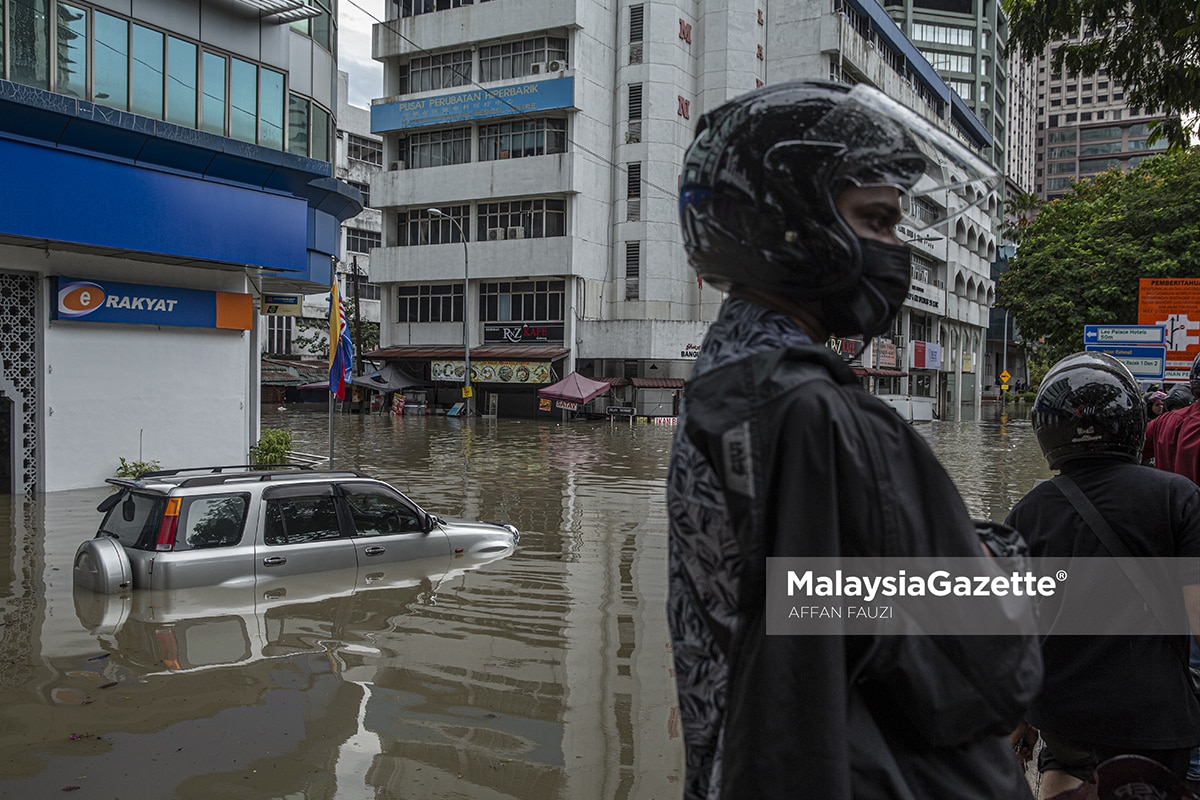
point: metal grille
(18, 352)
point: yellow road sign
(1004, 376)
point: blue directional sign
(1144, 362)
(1124, 334)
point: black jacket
(810, 464)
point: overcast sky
(354, 49)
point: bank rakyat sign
(464, 105)
(135, 304)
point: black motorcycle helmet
(759, 190)
(1089, 406)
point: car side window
(378, 513)
(215, 521)
(301, 518)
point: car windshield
(134, 520)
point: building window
(361, 241)
(318, 28)
(636, 18)
(633, 270)
(411, 8)
(367, 290)
(522, 219)
(521, 138)
(1057, 183)
(437, 148)
(428, 73)
(438, 302)
(634, 132)
(308, 128)
(1061, 152)
(360, 148)
(943, 34)
(633, 191)
(516, 59)
(523, 301)
(279, 334)
(418, 227)
(950, 62)
(365, 190)
(923, 268)
(1094, 134)
(1061, 167)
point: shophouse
(165, 163)
(532, 155)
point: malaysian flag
(341, 349)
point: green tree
(1151, 46)
(1083, 255)
(1019, 211)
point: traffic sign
(1124, 334)
(1143, 362)
(1004, 376)
(614, 411)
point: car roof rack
(230, 473)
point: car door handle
(274, 561)
(374, 550)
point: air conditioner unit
(538, 68)
(556, 66)
(495, 234)
(515, 233)
(395, 165)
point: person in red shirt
(1173, 439)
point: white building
(550, 135)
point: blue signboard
(463, 106)
(135, 304)
(1124, 334)
(1144, 362)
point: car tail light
(170, 524)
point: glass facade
(123, 64)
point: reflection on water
(546, 674)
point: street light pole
(467, 391)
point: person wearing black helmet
(1105, 696)
(789, 197)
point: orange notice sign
(1173, 303)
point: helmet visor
(887, 144)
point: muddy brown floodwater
(546, 674)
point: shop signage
(926, 355)
(917, 295)
(885, 354)
(137, 304)
(567, 405)
(690, 351)
(619, 411)
(527, 372)
(283, 304)
(518, 334)
(849, 348)
(462, 106)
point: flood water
(546, 674)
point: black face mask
(871, 306)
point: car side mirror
(431, 522)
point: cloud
(355, 18)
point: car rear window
(214, 520)
(134, 520)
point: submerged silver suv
(211, 526)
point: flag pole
(334, 323)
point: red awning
(880, 373)
(574, 389)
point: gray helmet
(760, 184)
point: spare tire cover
(102, 566)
